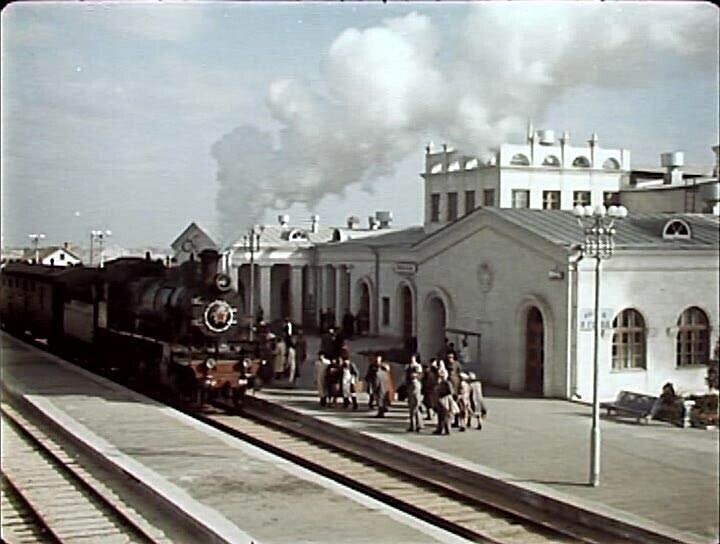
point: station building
(509, 277)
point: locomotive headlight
(242, 381)
(223, 282)
(218, 316)
(210, 363)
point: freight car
(178, 328)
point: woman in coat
(413, 374)
(445, 402)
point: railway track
(49, 497)
(467, 517)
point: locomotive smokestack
(209, 259)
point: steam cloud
(389, 89)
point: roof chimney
(372, 222)
(283, 219)
(383, 218)
(314, 223)
(352, 222)
(66, 245)
(672, 162)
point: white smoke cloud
(389, 89)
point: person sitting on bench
(666, 399)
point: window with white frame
(676, 229)
(551, 200)
(628, 342)
(693, 338)
(520, 198)
(581, 198)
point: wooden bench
(635, 404)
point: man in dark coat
(348, 324)
(371, 378)
(382, 385)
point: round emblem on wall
(485, 276)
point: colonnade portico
(301, 289)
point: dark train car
(30, 301)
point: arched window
(297, 235)
(581, 162)
(628, 344)
(676, 229)
(551, 160)
(693, 338)
(520, 160)
(611, 164)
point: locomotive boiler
(178, 326)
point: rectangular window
(520, 198)
(489, 197)
(385, 310)
(469, 201)
(452, 207)
(434, 207)
(581, 197)
(611, 198)
(551, 200)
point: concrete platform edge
(218, 529)
(536, 496)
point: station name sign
(586, 319)
(405, 268)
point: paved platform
(245, 494)
(655, 475)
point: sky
(142, 117)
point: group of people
(443, 389)
(350, 323)
(439, 389)
(289, 352)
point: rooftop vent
(283, 220)
(672, 161)
(546, 137)
(384, 219)
(352, 222)
(373, 223)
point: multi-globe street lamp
(598, 224)
(36, 237)
(251, 244)
(98, 235)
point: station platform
(242, 494)
(654, 475)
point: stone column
(296, 292)
(339, 288)
(264, 289)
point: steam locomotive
(173, 327)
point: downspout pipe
(574, 258)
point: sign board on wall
(586, 319)
(405, 268)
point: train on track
(178, 328)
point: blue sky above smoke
(111, 111)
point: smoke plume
(389, 89)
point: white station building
(507, 275)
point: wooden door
(534, 352)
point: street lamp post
(251, 244)
(36, 237)
(599, 244)
(98, 235)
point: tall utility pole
(599, 244)
(36, 237)
(251, 244)
(98, 235)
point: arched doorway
(436, 324)
(534, 351)
(406, 312)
